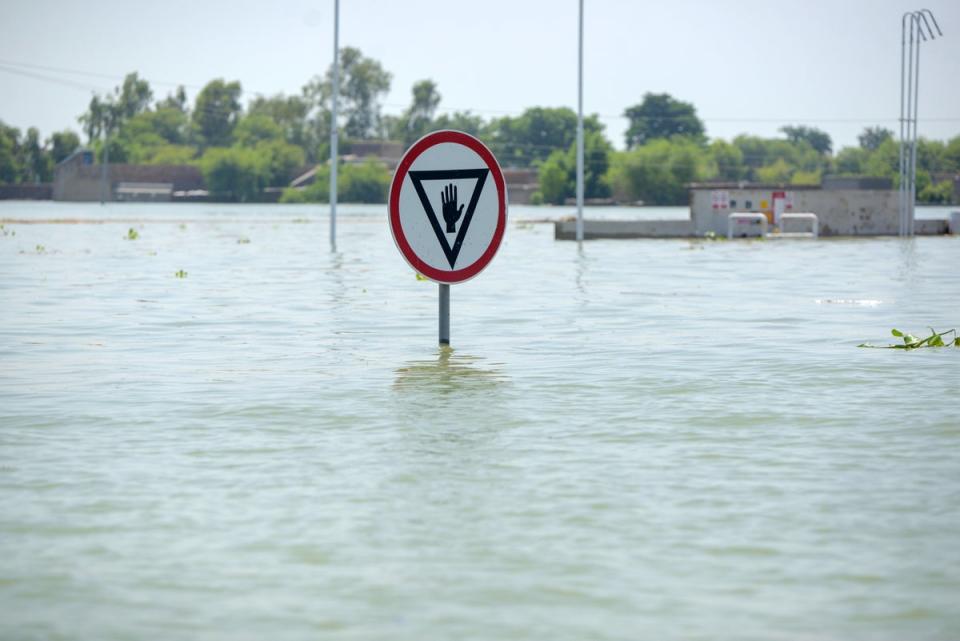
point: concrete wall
(842, 212)
(593, 229)
(521, 183)
(42, 191)
(75, 180)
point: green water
(636, 440)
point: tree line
(243, 150)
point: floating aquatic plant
(132, 234)
(243, 240)
(180, 274)
(41, 249)
(935, 339)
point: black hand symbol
(450, 212)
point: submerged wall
(842, 212)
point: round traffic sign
(448, 206)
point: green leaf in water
(935, 339)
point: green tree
(765, 152)
(850, 161)
(461, 121)
(217, 112)
(176, 101)
(728, 160)
(281, 161)
(873, 137)
(778, 172)
(937, 194)
(554, 175)
(100, 119)
(171, 155)
(139, 137)
(884, 161)
(235, 174)
(535, 134)
(107, 113)
(418, 119)
(256, 128)
(819, 140)
(134, 96)
(661, 116)
(558, 173)
(658, 173)
(951, 155)
(10, 170)
(62, 144)
(363, 183)
(35, 163)
(290, 114)
(363, 83)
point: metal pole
(580, 131)
(444, 314)
(913, 157)
(907, 189)
(105, 168)
(901, 183)
(333, 125)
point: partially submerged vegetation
(935, 339)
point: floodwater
(662, 439)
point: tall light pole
(333, 125)
(912, 23)
(580, 131)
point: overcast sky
(747, 65)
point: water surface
(663, 439)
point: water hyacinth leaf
(910, 342)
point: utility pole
(580, 131)
(914, 23)
(333, 125)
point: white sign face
(448, 206)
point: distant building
(521, 183)
(389, 152)
(78, 178)
(854, 206)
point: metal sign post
(333, 125)
(444, 323)
(448, 211)
(580, 132)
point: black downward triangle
(449, 174)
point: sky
(748, 66)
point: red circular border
(440, 275)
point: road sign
(448, 206)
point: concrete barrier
(746, 224)
(624, 229)
(930, 227)
(613, 229)
(808, 217)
